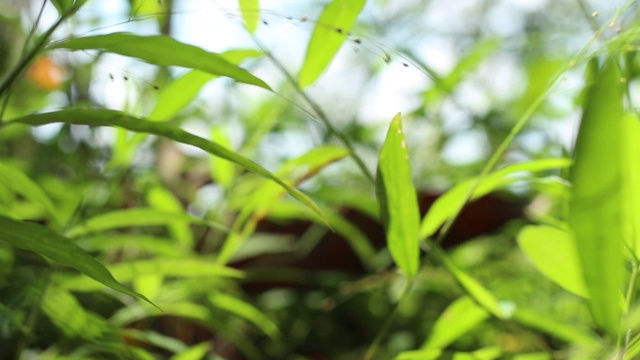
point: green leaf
(20, 183)
(164, 200)
(175, 267)
(179, 93)
(597, 206)
(68, 315)
(132, 217)
(334, 23)
(161, 50)
(451, 202)
(62, 5)
(246, 311)
(554, 253)
(398, 199)
(223, 172)
(196, 352)
(473, 288)
(103, 117)
(457, 319)
(631, 180)
(554, 327)
(250, 14)
(37, 238)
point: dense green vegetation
(339, 180)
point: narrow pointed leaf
(161, 50)
(250, 14)
(179, 93)
(597, 203)
(39, 239)
(336, 21)
(398, 199)
(247, 311)
(102, 117)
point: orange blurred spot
(46, 74)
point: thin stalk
(629, 297)
(8, 82)
(320, 114)
(373, 348)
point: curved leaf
(39, 239)
(458, 318)
(398, 199)
(161, 50)
(103, 117)
(336, 20)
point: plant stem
(387, 324)
(321, 115)
(26, 59)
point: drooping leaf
(103, 117)
(161, 50)
(196, 352)
(597, 206)
(457, 319)
(246, 311)
(249, 9)
(398, 199)
(334, 23)
(39, 239)
(555, 254)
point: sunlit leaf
(398, 199)
(103, 117)
(161, 50)
(451, 202)
(222, 172)
(458, 318)
(250, 14)
(179, 93)
(631, 180)
(246, 311)
(555, 254)
(164, 200)
(334, 23)
(597, 215)
(39, 239)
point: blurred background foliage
(461, 72)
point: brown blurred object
(333, 252)
(46, 74)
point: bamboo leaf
(554, 253)
(103, 117)
(246, 311)
(597, 203)
(448, 204)
(334, 23)
(249, 9)
(39, 239)
(398, 199)
(457, 319)
(161, 50)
